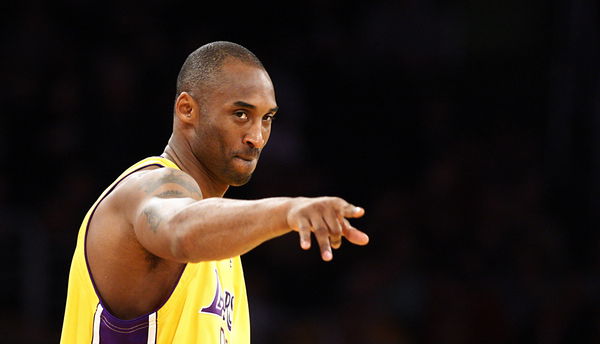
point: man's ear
(186, 108)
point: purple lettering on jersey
(222, 304)
(214, 307)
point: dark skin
(158, 219)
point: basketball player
(158, 254)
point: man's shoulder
(156, 181)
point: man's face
(235, 122)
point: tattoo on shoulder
(152, 218)
(173, 177)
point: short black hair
(201, 67)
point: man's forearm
(219, 228)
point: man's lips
(247, 157)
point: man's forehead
(246, 83)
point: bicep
(153, 225)
(152, 200)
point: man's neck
(190, 165)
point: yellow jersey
(208, 304)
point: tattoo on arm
(173, 177)
(170, 194)
(152, 218)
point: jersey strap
(111, 330)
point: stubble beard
(242, 180)
(235, 178)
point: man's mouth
(248, 157)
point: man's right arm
(172, 220)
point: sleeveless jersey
(208, 304)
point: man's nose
(255, 138)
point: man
(158, 255)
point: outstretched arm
(172, 221)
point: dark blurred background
(469, 130)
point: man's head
(224, 107)
(200, 70)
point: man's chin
(241, 172)
(240, 180)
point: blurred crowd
(468, 131)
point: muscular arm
(172, 221)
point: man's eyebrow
(250, 106)
(244, 104)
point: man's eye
(241, 114)
(269, 117)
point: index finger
(352, 211)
